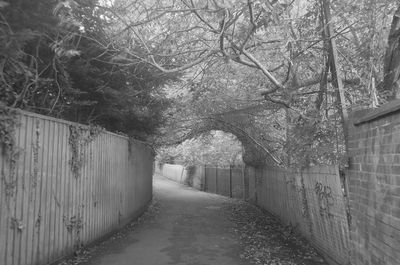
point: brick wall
(374, 185)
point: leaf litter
(266, 241)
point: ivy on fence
(8, 125)
(79, 138)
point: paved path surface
(190, 229)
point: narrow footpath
(189, 229)
(184, 226)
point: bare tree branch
(265, 71)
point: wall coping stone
(365, 116)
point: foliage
(8, 123)
(215, 148)
(79, 138)
(277, 50)
(58, 58)
(9, 149)
(104, 62)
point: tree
(105, 62)
(58, 58)
(214, 148)
(294, 62)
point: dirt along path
(188, 227)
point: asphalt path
(190, 228)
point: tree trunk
(335, 68)
(391, 81)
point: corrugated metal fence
(66, 185)
(311, 200)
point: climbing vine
(9, 150)
(74, 225)
(79, 138)
(35, 152)
(17, 224)
(8, 123)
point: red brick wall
(374, 186)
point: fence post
(205, 178)
(230, 181)
(183, 171)
(243, 183)
(246, 184)
(216, 179)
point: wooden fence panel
(60, 192)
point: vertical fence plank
(42, 208)
(37, 179)
(48, 202)
(53, 194)
(96, 183)
(93, 195)
(205, 178)
(16, 221)
(17, 224)
(3, 214)
(245, 188)
(61, 190)
(108, 211)
(216, 180)
(103, 185)
(26, 213)
(3, 246)
(89, 193)
(28, 202)
(85, 192)
(230, 181)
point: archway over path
(257, 146)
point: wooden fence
(225, 181)
(64, 185)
